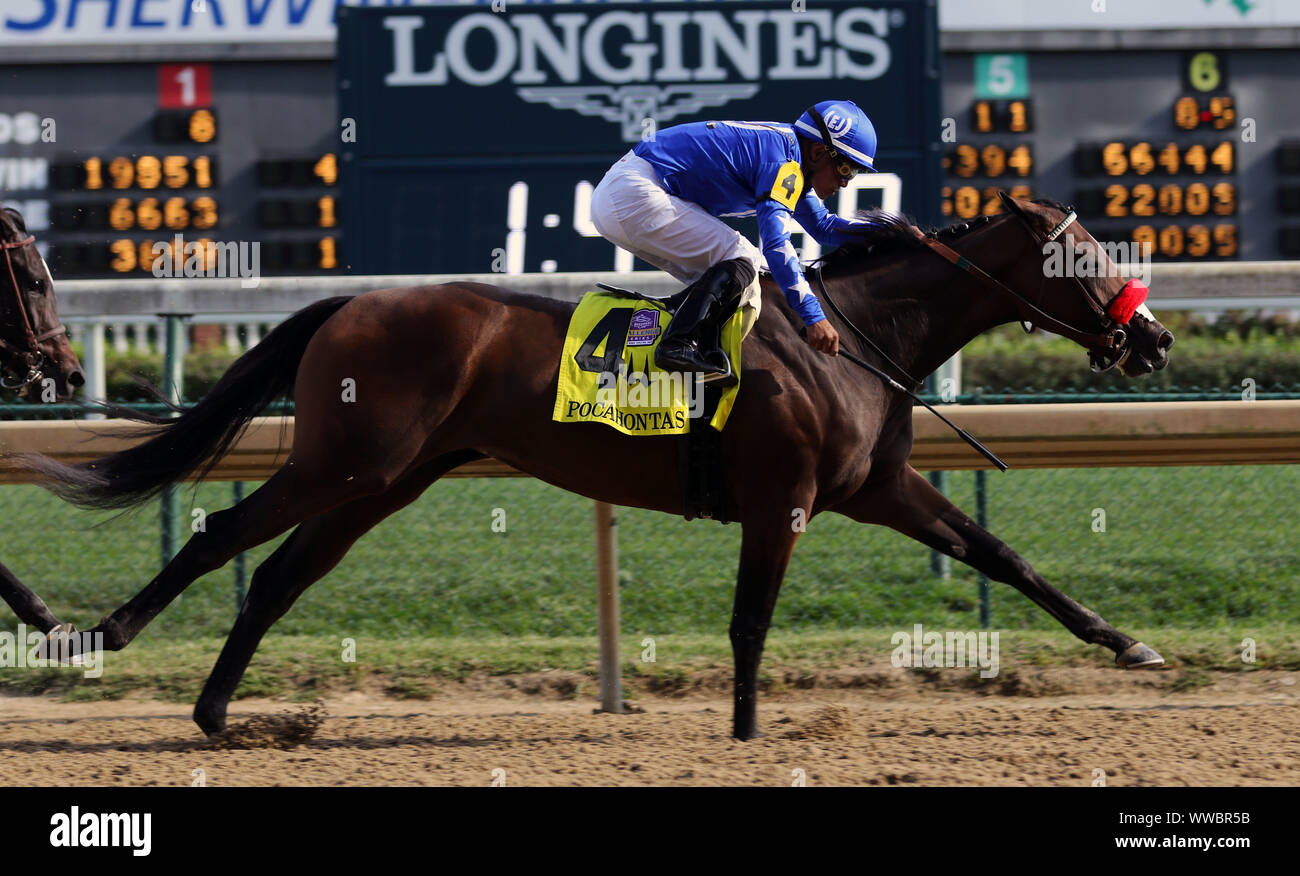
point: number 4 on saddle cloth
(608, 372)
(608, 375)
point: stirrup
(694, 369)
(728, 375)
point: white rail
(130, 311)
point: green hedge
(1215, 355)
(1054, 364)
(200, 371)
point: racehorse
(438, 376)
(32, 342)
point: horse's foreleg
(315, 547)
(765, 550)
(29, 607)
(911, 504)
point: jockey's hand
(822, 336)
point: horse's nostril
(76, 378)
(1166, 341)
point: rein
(895, 385)
(32, 358)
(1113, 342)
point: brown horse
(32, 343)
(447, 374)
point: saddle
(671, 303)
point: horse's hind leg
(315, 547)
(910, 504)
(29, 607)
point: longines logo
(630, 104)
(624, 50)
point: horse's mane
(886, 233)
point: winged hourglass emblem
(630, 105)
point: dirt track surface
(1055, 730)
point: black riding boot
(691, 341)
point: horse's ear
(1010, 203)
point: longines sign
(813, 44)
(469, 132)
(626, 51)
(564, 76)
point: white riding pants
(631, 209)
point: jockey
(660, 202)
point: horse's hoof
(61, 643)
(746, 735)
(211, 729)
(1139, 656)
(211, 723)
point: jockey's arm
(825, 227)
(774, 225)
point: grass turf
(1181, 547)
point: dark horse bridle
(1106, 349)
(31, 359)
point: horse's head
(1083, 295)
(32, 340)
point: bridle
(1107, 349)
(31, 358)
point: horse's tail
(179, 445)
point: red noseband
(1126, 303)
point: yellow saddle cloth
(608, 372)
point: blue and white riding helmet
(845, 130)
